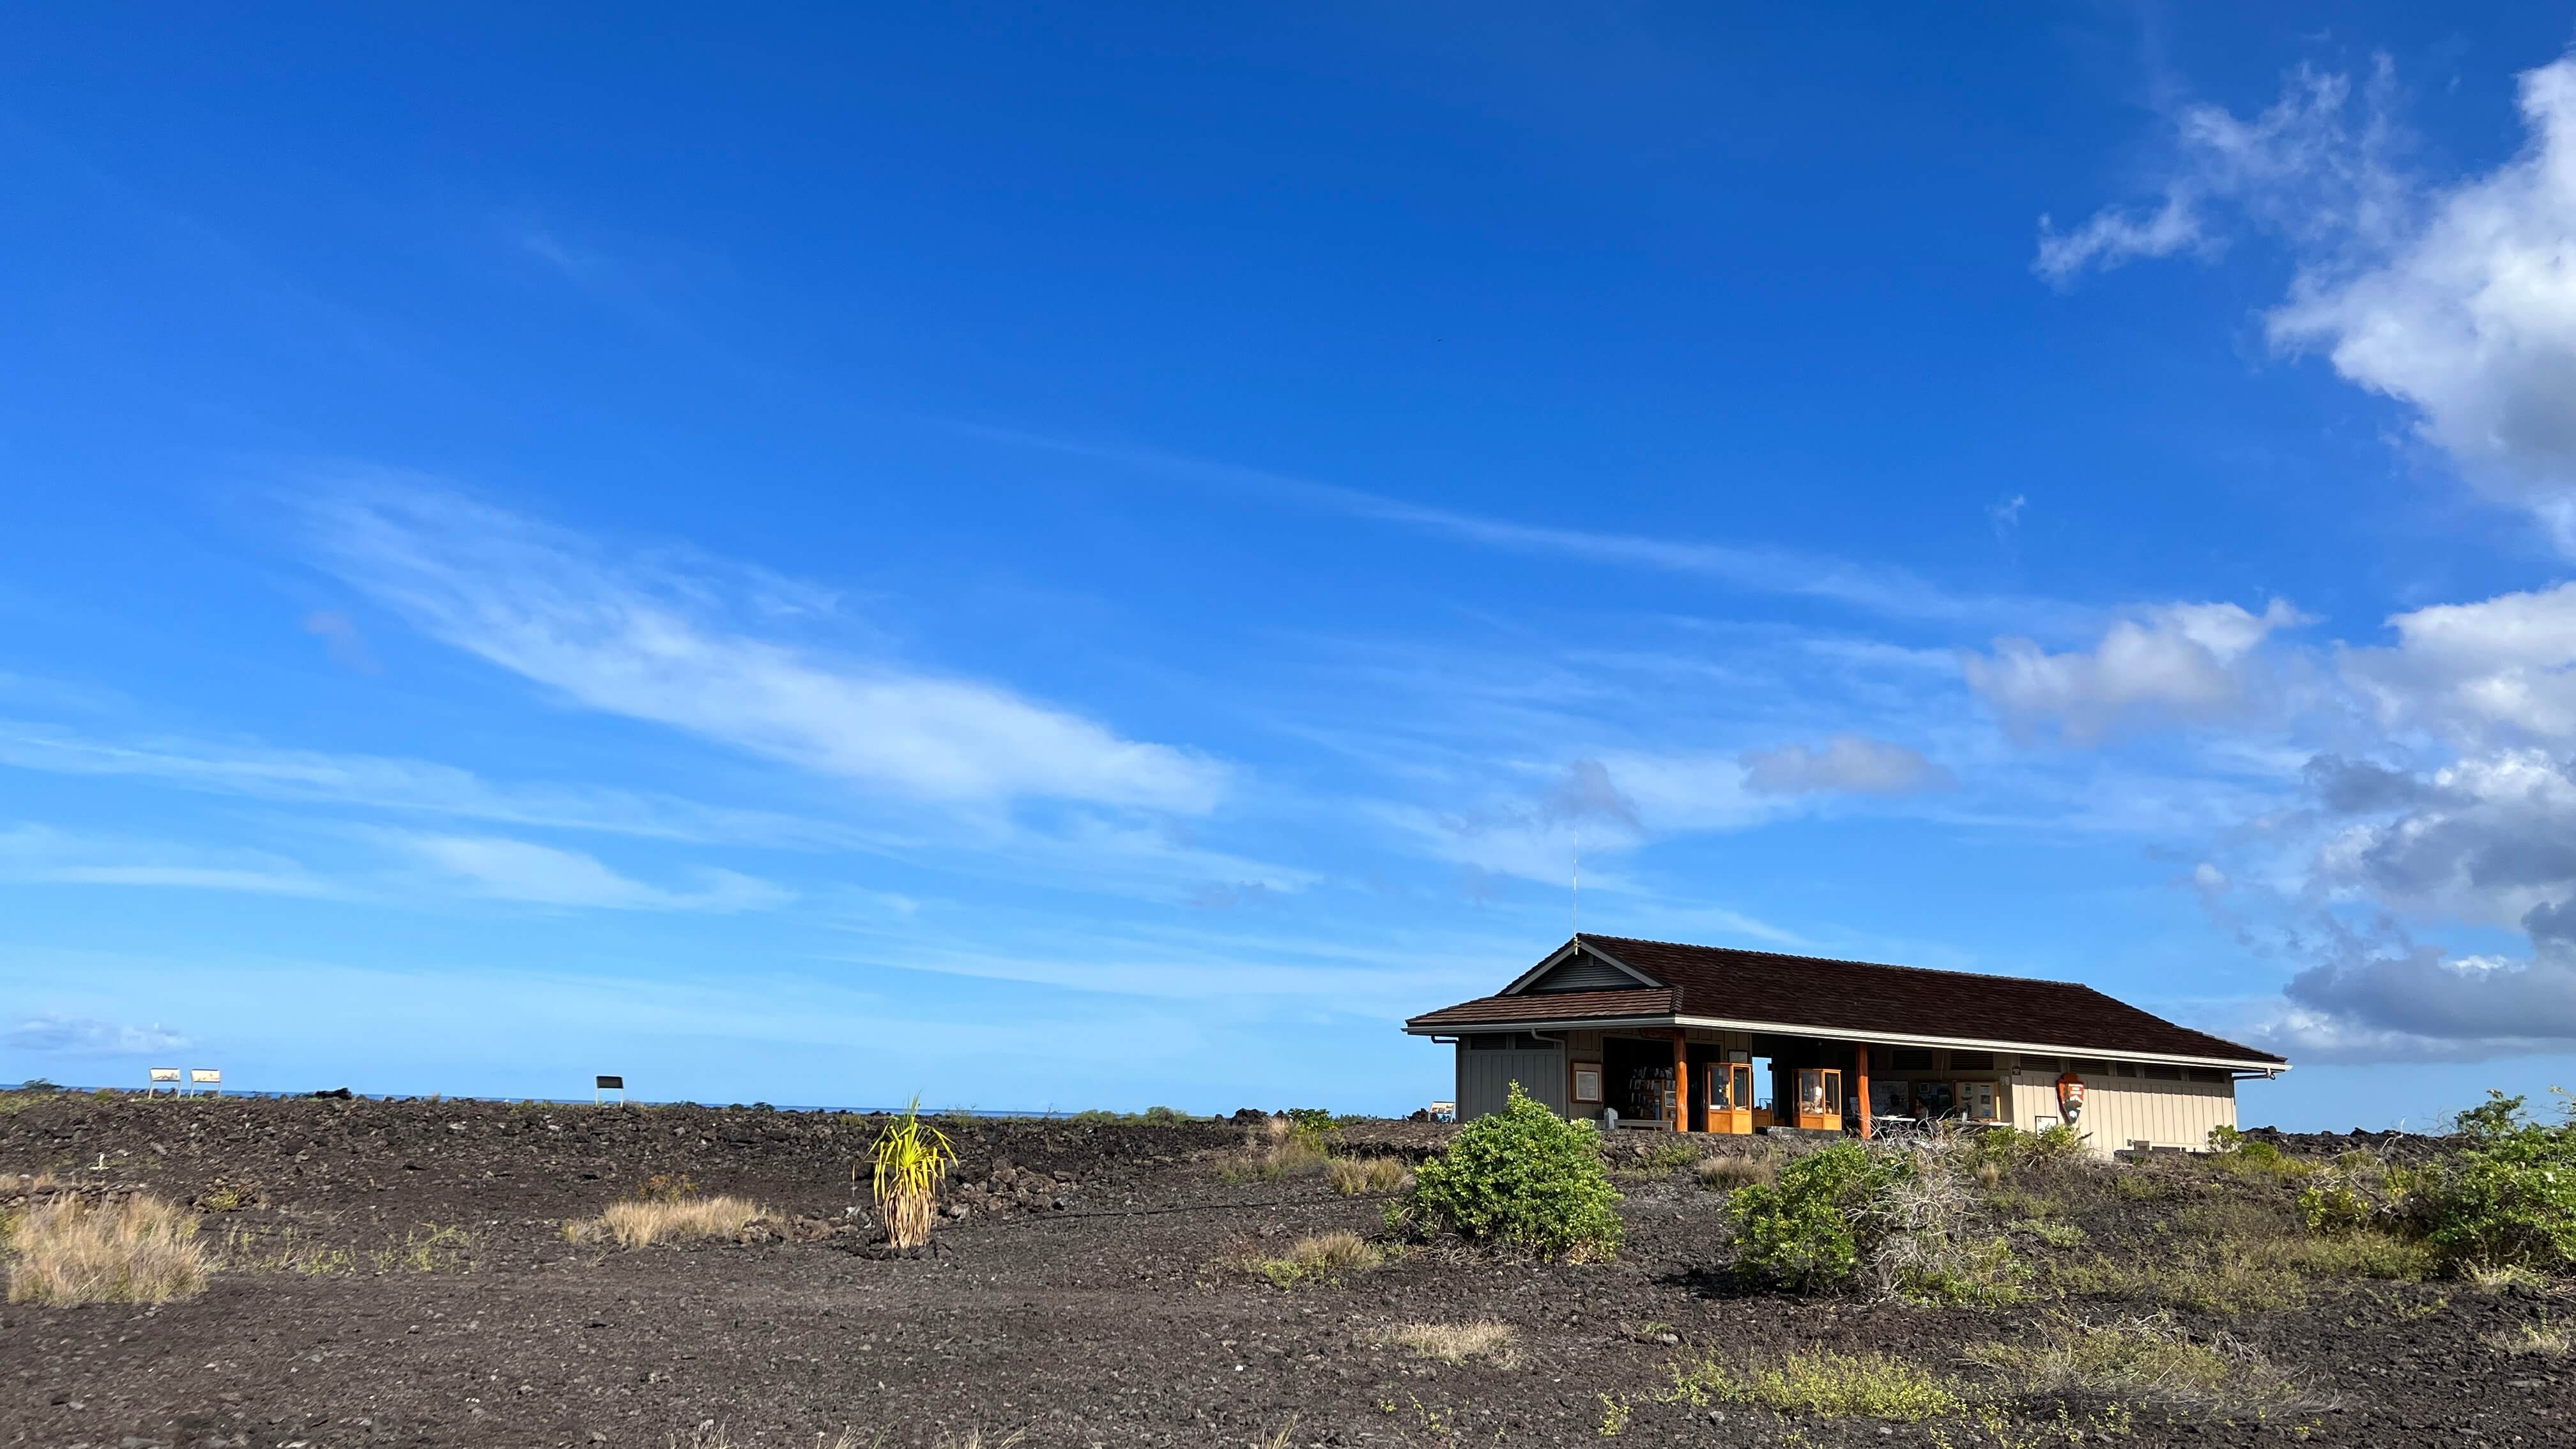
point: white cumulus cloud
(2173, 661)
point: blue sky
(1053, 560)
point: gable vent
(1584, 973)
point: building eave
(1868, 1038)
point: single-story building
(1714, 1039)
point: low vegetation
(1456, 1343)
(2507, 1198)
(1897, 1221)
(1319, 1256)
(139, 1249)
(1288, 1145)
(1353, 1176)
(1523, 1177)
(1150, 1117)
(1823, 1384)
(1726, 1172)
(642, 1222)
(2151, 1359)
(910, 1161)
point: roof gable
(1578, 965)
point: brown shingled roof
(1644, 1001)
(1821, 994)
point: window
(2207, 1074)
(1509, 1041)
(2162, 1073)
(1587, 1081)
(1910, 1059)
(2091, 1069)
(1972, 1061)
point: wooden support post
(1860, 1088)
(1681, 1081)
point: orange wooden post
(1681, 1081)
(1860, 1088)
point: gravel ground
(399, 1276)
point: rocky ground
(396, 1273)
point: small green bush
(2507, 1197)
(1522, 1176)
(1800, 1232)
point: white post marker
(207, 1078)
(162, 1077)
(604, 1084)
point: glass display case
(1820, 1099)
(1730, 1097)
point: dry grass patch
(139, 1250)
(1279, 1147)
(282, 1250)
(2152, 1358)
(639, 1224)
(1317, 1256)
(1730, 1171)
(2498, 1277)
(1486, 1338)
(1351, 1176)
(2538, 1340)
(1824, 1384)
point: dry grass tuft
(2152, 1357)
(140, 1250)
(1730, 1171)
(1279, 1147)
(1351, 1176)
(2498, 1277)
(1487, 1339)
(1319, 1255)
(639, 1224)
(2539, 1340)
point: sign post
(605, 1084)
(162, 1077)
(207, 1078)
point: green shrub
(1801, 1231)
(2507, 1197)
(1522, 1176)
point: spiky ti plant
(912, 1160)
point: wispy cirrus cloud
(389, 783)
(58, 1035)
(1845, 765)
(41, 855)
(1879, 589)
(659, 644)
(502, 869)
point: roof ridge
(1846, 961)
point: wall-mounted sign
(2070, 1097)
